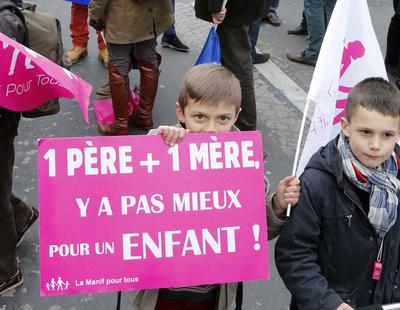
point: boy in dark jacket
(340, 248)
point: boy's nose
(375, 143)
(211, 127)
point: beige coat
(131, 21)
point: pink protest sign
(28, 79)
(129, 212)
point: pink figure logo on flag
(28, 79)
(352, 52)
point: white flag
(350, 53)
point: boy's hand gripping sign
(129, 212)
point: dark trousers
(121, 55)
(236, 56)
(393, 38)
(254, 30)
(13, 211)
(164, 303)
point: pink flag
(103, 109)
(28, 79)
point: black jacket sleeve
(296, 255)
(215, 6)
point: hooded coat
(132, 21)
(326, 252)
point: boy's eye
(388, 135)
(224, 118)
(365, 132)
(199, 117)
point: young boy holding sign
(209, 101)
(340, 248)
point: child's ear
(179, 113)
(237, 114)
(345, 126)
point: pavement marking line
(282, 82)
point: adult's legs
(118, 69)
(393, 42)
(303, 22)
(271, 15)
(254, 30)
(79, 32)
(315, 16)
(171, 31)
(170, 39)
(273, 7)
(79, 25)
(103, 54)
(300, 29)
(149, 62)
(8, 237)
(236, 56)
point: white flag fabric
(349, 53)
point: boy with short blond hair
(340, 248)
(209, 101)
(203, 84)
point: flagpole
(296, 156)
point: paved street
(277, 83)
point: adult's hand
(218, 18)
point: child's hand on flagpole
(344, 306)
(171, 134)
(287, 193)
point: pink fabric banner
(28, 79)
(103, 109)
(129, 212)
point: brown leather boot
(143, 117)
(119, 86)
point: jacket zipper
(349, 218)
(362, 210)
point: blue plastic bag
(211, 52)
(83, 2)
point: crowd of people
(340, 249)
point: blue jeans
(318, 13)
(273, 7)
(303, 23)
(171, 30)
(254, 30)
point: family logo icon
(57, 285)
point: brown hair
(210, 84)
(375, 94)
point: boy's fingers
(174, 136)
(182, 133)
(169, 136)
